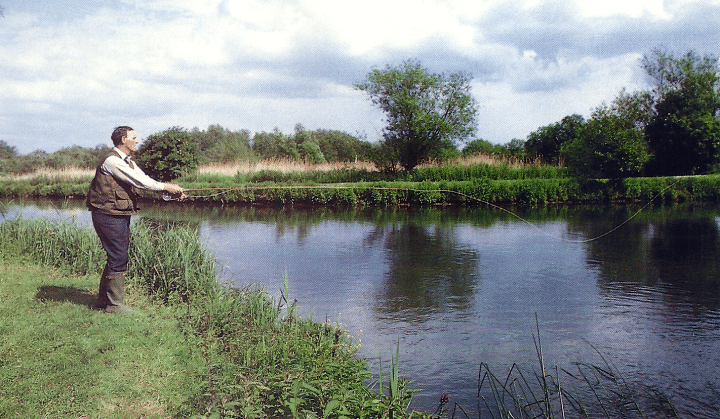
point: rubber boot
(102, 299)
(116, 293)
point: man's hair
(120, 133)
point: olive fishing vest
(111, 196)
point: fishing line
(224, 190)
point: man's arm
(134, 176)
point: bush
(168, 155)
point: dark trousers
(114, 233)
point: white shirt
(120, 169)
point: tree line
(196, 147)
(672, 128)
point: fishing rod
(224, 190)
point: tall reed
(589, 390)
(171, 264)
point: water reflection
(429, 272)
(457, 287)
(673, 257)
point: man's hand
(176, 190)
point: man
(112, 200)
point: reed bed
(68, 173)
(587, 390)
(249, 167)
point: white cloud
(508, 111)
(633, 8)
(260, 64)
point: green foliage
(480, 146)
(312, 147)
(608, 146)
(74, 156)
(684, 135)
(338, 146)
(7, 151)
(77, 156)
(423, 111)
(546, 142)
(45, 187)
(168, 155)
(220, 145)
(308, 146)
(274, 145)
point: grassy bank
(191, 349)
(59, 359)
(473, 184)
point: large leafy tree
(545, 143)
(684, 131)
(607, 146)
(424, 111)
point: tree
(545, 143)
(219, 144)
(608, 146)
(274, 145)
(169, 154)
(480, 146)
(684, 131)
(423, 111)
(514, 148)
(338, 146)
(7, 151)
(307, 145)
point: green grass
(59, 359)
(190, 349)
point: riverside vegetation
(470, 183)
(191, 349)
(194, 348)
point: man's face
(131, 141)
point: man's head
(125, 140)
(119, 134)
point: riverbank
(233, 353)
(190, 349)
(462, 185)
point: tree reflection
(675, 256)
(429, 272)
(686, 255)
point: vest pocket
(122, 201)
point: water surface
(457, 287)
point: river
(455, 288)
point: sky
(73, 70)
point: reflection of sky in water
(77, 215)
(649, 306)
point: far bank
(449, 186)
